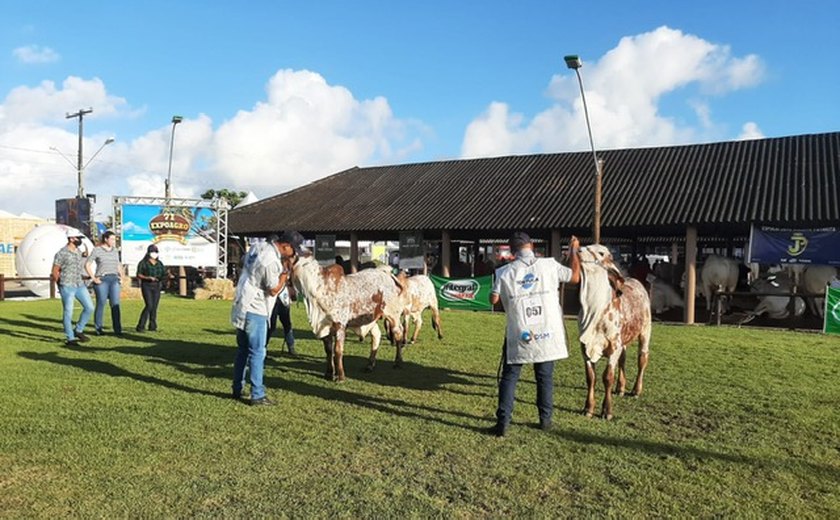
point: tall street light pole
(80, 193)
(80, 168)
(175, 121)
(573, 62)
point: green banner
(832, 311)
(463, 293)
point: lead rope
(501, 362)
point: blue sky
(278, 94)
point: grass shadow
(661, 449)
(391, 407)
(109, 369)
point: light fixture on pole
(574, 62)
(168, 190)
(79, 167)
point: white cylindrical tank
(34, 257)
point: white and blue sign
(794, 246)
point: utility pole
(80, 193)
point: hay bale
(127, 292)
(216, 289)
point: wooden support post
(445, 250)
(354, 252)
(690, 272)
(556, 245)
(182, 280)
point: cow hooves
(369, 368)
(398, 366)
(606, 416)
(587, 414)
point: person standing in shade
(67, 270)
(104, 269)
(528, 288)
(150, 272)
(262, 278)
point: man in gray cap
(528, 289)
(67, 269)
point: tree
(232, 197)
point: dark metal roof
(719, 187)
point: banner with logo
(325, 249)
(184, 235)
(832, 310)
(794, 246)
(412, 252)
(463, 293)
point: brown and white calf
(421, 296)
(614, 312)
(336, 302)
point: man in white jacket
(528, 288)
(263, 276)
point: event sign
(412, 253)
(184, 235)
(325, 249)
(75, 213)
(463, 293)
(794, 246)
(832, 309)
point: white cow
(775, 307)
(718, 271)
(663, 296)
(814, 280)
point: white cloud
(750, 130)
(623, 93)
(48, 103)
(303, 130)
(35, 54)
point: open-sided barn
(665, 195)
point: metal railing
(717, 302)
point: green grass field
(733, 423)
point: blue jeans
(544, 373)
(250, 353)
(69, 294)
(109, 289)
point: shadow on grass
(395, 407)
(101, 367)
(682, 451)
(36, 323)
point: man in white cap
(528, 289)
(67, 270)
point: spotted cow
(336, 302)
(614, 312)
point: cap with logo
(517, 240)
